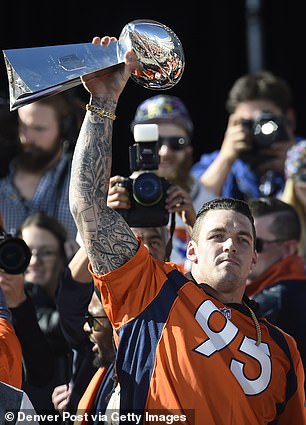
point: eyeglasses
(44, 254)
(175, 143)
(259, 244)
(94, 323)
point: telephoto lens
(147, 189)
(15, 254)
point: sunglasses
(175, 143)
(94, 323)
(259, 244)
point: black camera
(267, 129)
(147, 191)
(15, 255)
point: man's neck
(222, 296)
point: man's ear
(290, 248)
(254, 261)
(191, 252)
(291, 118)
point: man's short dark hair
(260, 85)
(286, 224)
(232, 204)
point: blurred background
(221, 39)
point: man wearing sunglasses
(278, 282)
(100, 332)
(175, 128)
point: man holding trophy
(191, 349)
(178, 354)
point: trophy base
(57, 68)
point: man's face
(154, 239)
(272, 252)
(172, 160)
(225, 252)
(274, 155)
(39, 134)
(101, 333)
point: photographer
(250, 163)
(10, 347)
(30, 295)
(175, 159)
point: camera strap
(169, 243)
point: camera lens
(15, 255)
(267, 129)
(265, 132)
(147, 189)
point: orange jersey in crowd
(88, 399)
(10, 355)
(183, 352)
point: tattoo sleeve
(107, 237)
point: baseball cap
(163, 108)
(296, 160)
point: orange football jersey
(183, 353)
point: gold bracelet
(103, 113)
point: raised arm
(235, 142)
(108, 240)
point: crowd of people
(198, 320)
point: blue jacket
(242, 182)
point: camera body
(266, 130)
(147, 191)
(15, 254)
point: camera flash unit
(145, 133)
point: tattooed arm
(107, 237)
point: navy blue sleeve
(72, 302)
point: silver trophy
(37, 72)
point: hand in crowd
(179, 201)
(118, 196)
(13, 288)
(236, 139)
(60, 397)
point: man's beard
(36, 159)
(102, 361)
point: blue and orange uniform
(183, 352)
